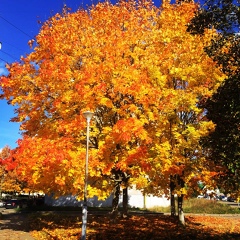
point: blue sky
(18, 24)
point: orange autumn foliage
(9, 181)
(141, 73)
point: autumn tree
(89, 67)
(9, 181)
(189, 78)
(141, 73)
(52, 166)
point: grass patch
(209, 207)
(204, 206)
(160, 209)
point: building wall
(70, 200)
(136, 199)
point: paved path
(14, 226)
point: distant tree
(224, 143)
(222, 15)
(9, 181)
(223, 108)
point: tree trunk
(173, 208)
(115, 201)
(125, 202)
(144, 201)
(172, 199)
(119, 177)
(180, 201)
(180, 210)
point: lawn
(144, 226)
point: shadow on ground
(14, 226)
(137, 226)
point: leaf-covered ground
(144, 227)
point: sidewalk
(14, 226)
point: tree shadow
(157, 227)
(145, 226)
(14, 221)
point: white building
(135, 199)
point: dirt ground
(14, 226)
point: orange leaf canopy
(131, 63)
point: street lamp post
(88, 115)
